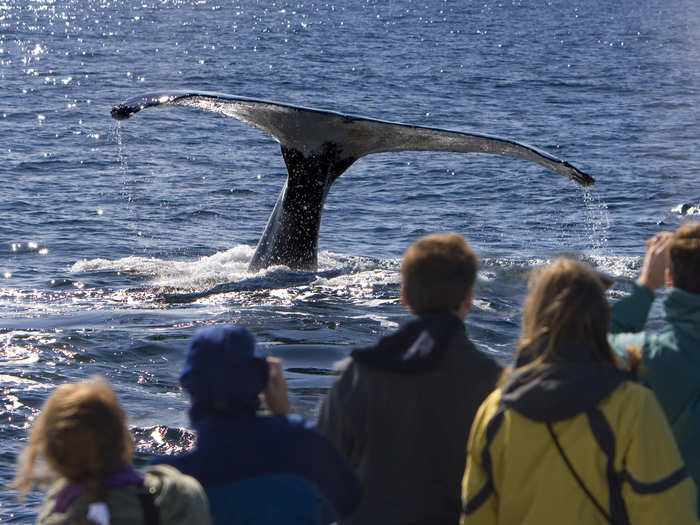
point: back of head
(82, 435)
(438, 273)
(566, 302)
(224, 370)
(685, 258)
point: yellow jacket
(515, 473)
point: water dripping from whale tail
(317, 147)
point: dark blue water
(117, 241)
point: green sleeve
(628, 317)
(630, 314)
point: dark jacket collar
(555, 391)
(416, 347)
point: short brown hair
(438, 272)
(685, 257)
(82, 435)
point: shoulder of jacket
(179, 498)
(626, 402)
(342, 365)
(485, 367)
(491, 406)
(167, 480)
(629, 391)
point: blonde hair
(684, 255)
(566, 302)
(438, 273)
(81, 434)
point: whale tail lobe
(317, 147)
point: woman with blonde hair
(568, 437)
(82, 437)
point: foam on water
(228, 266)
(686, 209)
(624, 267)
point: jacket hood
(416, 347)
(552, 392)
(224, 371)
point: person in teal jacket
(670, 358)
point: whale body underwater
(317, 147)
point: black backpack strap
(576, 476)
(606, 440)
(480, 497)
(150, 512)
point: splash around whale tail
(318, 146)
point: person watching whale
(670, 358)
(256, 468)
(83, 439)
(569, 437)
(402, 408)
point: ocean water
(118, 240)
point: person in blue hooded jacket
(262, 469)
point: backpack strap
(150, 511)
(480, 497)
(577, 477)
(606, 440)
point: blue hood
(224, 371)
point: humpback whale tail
(317, 147)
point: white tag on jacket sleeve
(99, 513)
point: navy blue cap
(224, 369)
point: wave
(228, 266)
(223, 277)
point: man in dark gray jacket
(402, 409)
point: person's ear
(465, 305)
(404, 301)
(469, 299)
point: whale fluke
(317, 147)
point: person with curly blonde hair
(83, 439)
